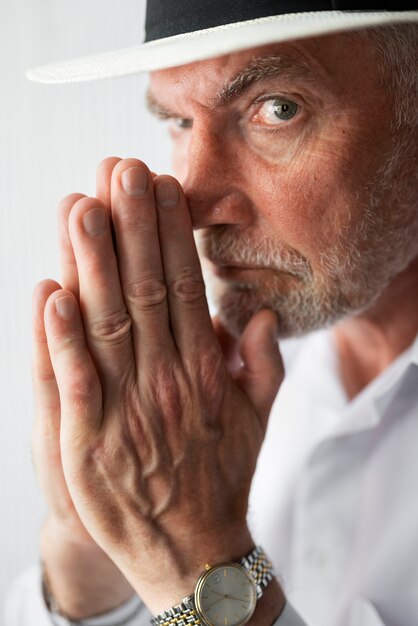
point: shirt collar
(375, 402)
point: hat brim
(212, 42)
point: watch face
(225, 595)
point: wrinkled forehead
(327, 59)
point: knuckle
(210, 371)
(163, 391)
(188, 287)
(112, 328)
(79, 386)
(143, 221)
(146, 293)
(69, 343)
(95, 264)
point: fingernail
(135, 181)
(167, 194)
(65, 307)
(95, 222)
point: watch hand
(216, 602)
(226, 595)
(218, 594)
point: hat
(184, 31)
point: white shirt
(334, 501)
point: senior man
(295, 161)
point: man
(296, 164)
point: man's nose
(213, 182)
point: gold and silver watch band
(180, 615)
(257, 566)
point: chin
(350, 285)
(300, 310)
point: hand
(82, 577)
(158, 441)
(46, 451)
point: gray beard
(354, 270)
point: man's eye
(276, 110)
(180, 123)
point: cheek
(317, 176)
(310, 194)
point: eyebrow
(260, 69)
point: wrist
(82, 579)
(177, 570)
(65, 530)
(243, 591)
(270, 606)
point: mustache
(226, 247)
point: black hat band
(166, 18)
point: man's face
(280, 151)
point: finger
(47, 402)
(262, 372)
(77, 379)
(69, 272)
(229, 346)
(106, 321)
(103, 188)
(103, 179)
(189, 313)
(45, 439)
(139, 258)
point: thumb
(262, 372)
(229, 346)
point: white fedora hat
(183, 31)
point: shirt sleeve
(25, 606)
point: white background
(51, 139)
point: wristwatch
(226, 594)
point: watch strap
(259, 568)
(183, 614)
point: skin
(300, 189)
(159, 432)
(96, 407)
